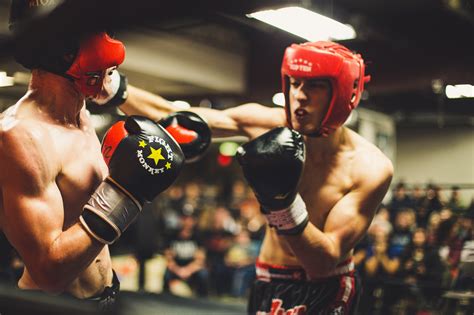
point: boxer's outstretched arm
(34, 215)
(248, 120)
(320, 251)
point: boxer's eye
(112, 70)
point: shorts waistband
(267, 272)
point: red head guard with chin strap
(326, 60)
(97, 53)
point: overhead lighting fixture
(279, 99)
(306, 24)
(459, 91)
(5, 80)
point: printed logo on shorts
(337, 311)
(155, 155)
(277, 309)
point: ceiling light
(459, 91)
(305, 23)
(5, 80)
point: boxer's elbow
(326, 261)
(324, 266)
(50, 277)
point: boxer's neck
(56, 96)
(320, 149)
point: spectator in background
(192, 201)
(218, 231)
(381, 221)
(210, 195)
(240, 260)
(237, 196)
(379, 270)
(417, 196)
(449, 244)
(465, 279)
(402, 233)
(252, 220)
(432, 200)
(421, 270)
(400, 200)
(186, 259)
(432, 228)
(170, 207)
(454, 202)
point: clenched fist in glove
(272, 165)
(143, 160)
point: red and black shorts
(285, 290)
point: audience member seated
(421, 270)
(454, 202)
(402, 232)
(218, 228)
(400, 200)
(240, 260)
(186, 259)
(379, 270)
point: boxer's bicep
(255, 119)
(350, 218)
(32, 202)
(32, 223)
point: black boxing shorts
(286, 290)
(108, 297)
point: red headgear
(96, 54)
(331, 61)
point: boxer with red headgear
(329, 61)
(318, 182)
(60, 203)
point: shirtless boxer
(305, 263)
(62, 202)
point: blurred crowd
(419, 245)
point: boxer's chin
(305, 128)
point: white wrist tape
(289, 218)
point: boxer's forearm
(143, 103)
(67, 256)
(315, 250)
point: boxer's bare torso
(326, 180)
(344, 179)
(67, 164)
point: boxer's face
(309, 103)
(107, 88)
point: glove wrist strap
(108, 213)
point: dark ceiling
(406, 43)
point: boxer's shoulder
(25, 147)
(370, 164)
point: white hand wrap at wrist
(114, 86)
(290, 218)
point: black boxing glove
(273, 164)
(143, 160)
(114, 92)
(190, 131)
